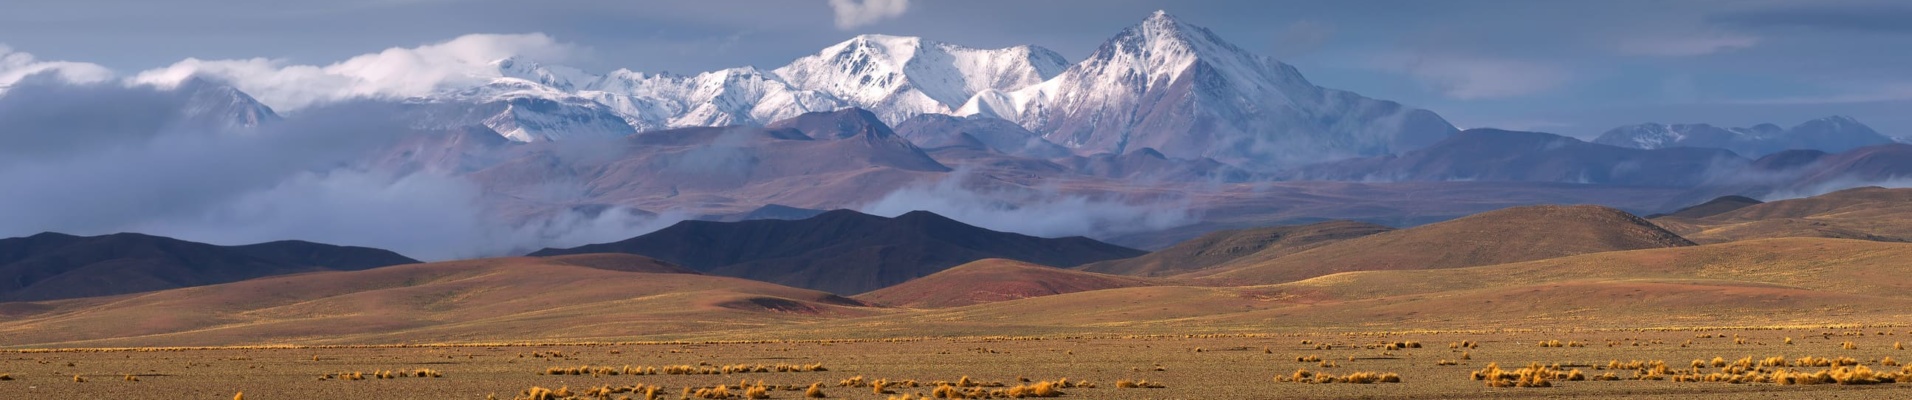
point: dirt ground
(1233, 367)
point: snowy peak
(1183, 91)
(559, 77)
(213, 105)
(899, 77)
(1163, 46)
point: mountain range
(1830, 134)
(1163, 85)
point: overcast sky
(1575, 68)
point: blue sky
(1575, 68)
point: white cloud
(855, 13)
(393, 73)
(1476, 78)
(1694, 44)
(15, 66)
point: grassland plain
(1188, 367)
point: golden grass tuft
(239, 396)
(77, 378)
(6, 377)
(815, 391)
(1849, 346)
(130, 378)
(1308, 358)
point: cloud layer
(1045, 213)
(104, 158)
(15, 66)
(390, 74)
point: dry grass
(6, 377)
(1306, 376)
(1533, 375)
(815, 391)
(1137, 384)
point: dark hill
(844, 251)
(58, 266)
(1710, 208)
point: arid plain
(1707, 302)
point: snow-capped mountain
(1180, 89)
(523, 111)
(736, 96)
(896, 77)
(215, 106)
(1830, 134)
(1162, 84)
(900, 77)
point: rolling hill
(59, 266)
(501, 299)
(1494, 237)
(844, 251)
(992, 280)
(1751, 283)
(1235, 246)
(1869, 213)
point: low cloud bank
(1044, 212)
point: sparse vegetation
(1137, 384)
(1306, 376)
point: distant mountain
(846, 252)
(522, 111)
(58, 266)
(1495, 237)
(1183, 91)
(993, 280)
(1163, 84)
(1498, 155)
(854, 159)
(938, 131)
(1830, 134)
(1235, 246)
